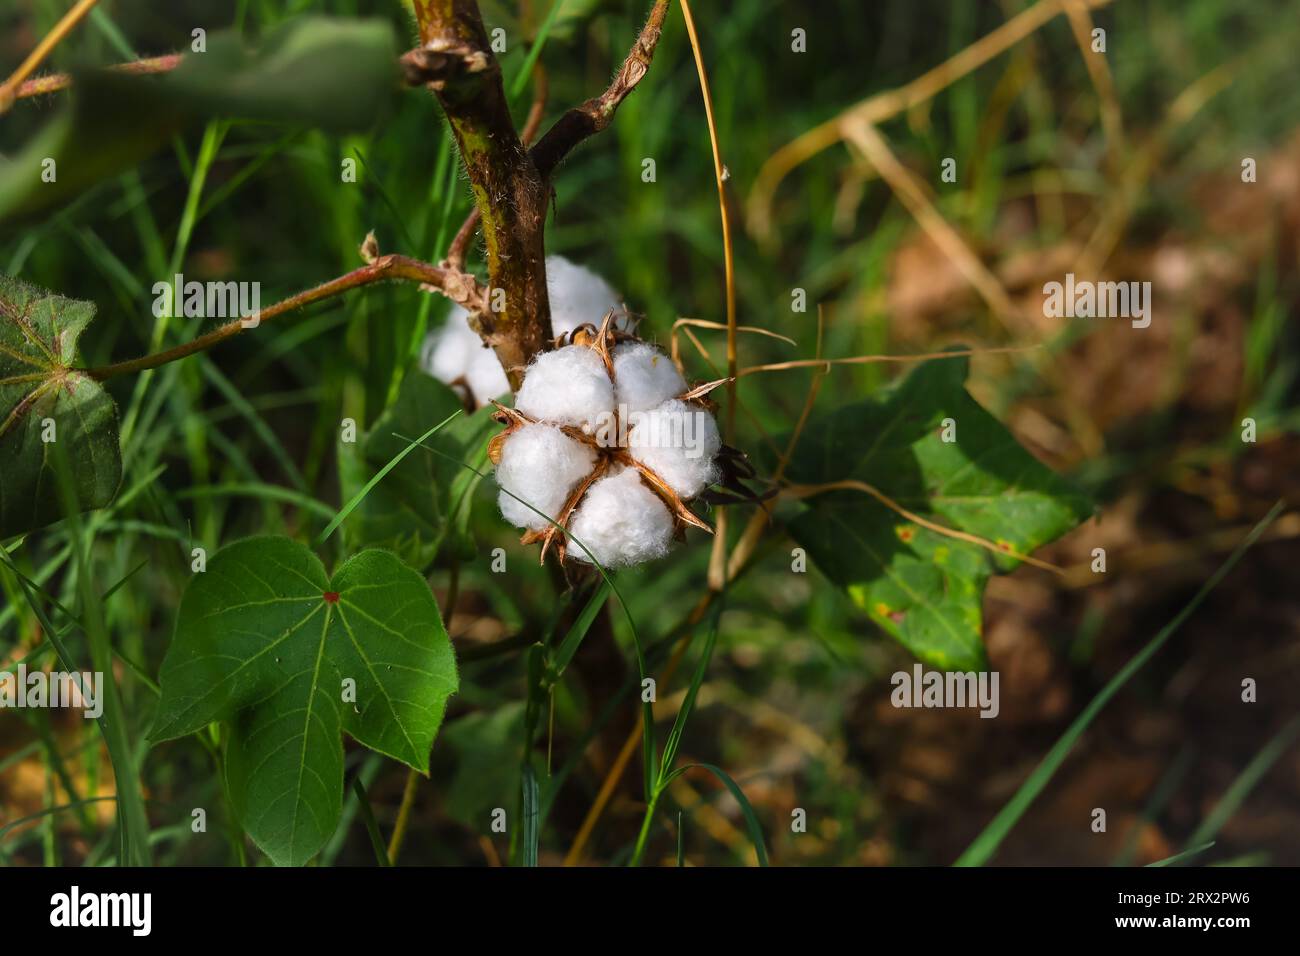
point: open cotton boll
(622, 521)
(455, 353)
(645, 377)
(446, 351)
(541, 465)
(568, 386)
(678, 442)
(485, 376)
(578, 296)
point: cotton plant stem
(386, 268)
(9, 89)
(510, 181)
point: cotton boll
(541, 465)
(644, 377)
(455, 353)
(622, 521)
(568, 386)
(446, 351)
(486, 378)
(578, 296)
(678, 441)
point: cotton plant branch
(9, 89)
(510, 182)
(456, 286)
(455, 61)
(56, 82)
(585, 121)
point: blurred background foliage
(244, 439)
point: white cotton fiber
(541, 465)
(455, 353)
(645, 377)
(678, 441)
(578, 296)
(622, 521)
(568, 386)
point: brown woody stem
(510, 182)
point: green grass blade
(986, 844)
(573, 640)
(534, 51)
(531, 816)
(1180, 857)
(746, 809)
(1245, 782)
(688, 702)
(348, 508)
(368, 818)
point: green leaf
(316, 71)
(424, 502)
(43, 397)
(924, 588)
(265, 639)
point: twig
(456, 286)
(591, 117)
(61, 81)
(826, 364)
(9, 89)
(808, 491)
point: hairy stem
(454, 285)
(511, 183)
(457, 64)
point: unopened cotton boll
(621, 521)
(645, 377)
(541, 465)
(568, 386)
(678, 442)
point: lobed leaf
(43, 399)
(265, 639)
(924, 588)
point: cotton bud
(646, 445)
(454, 354)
